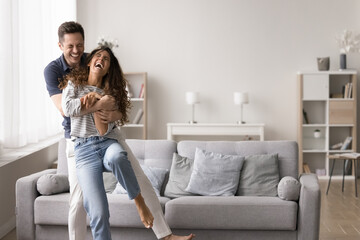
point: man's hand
(107, 102)
(90, 99)
(109, 116)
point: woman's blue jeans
(93, 156)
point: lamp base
(192, 122)
(240, 122)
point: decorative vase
(342, 61)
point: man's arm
(100, 126)
(73, 106)
(57, 101)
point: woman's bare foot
(175, 237)
(144, 212)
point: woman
(104, 78)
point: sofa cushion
(215, 174)
(289, 189)
(154, 174)
(53, 210)
(52, 184)
(179, 177)
(245, 213)
(259, 176)
(110, 181)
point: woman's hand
(107, 102)
(90, 99)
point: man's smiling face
(73, 48)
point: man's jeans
(94, 155)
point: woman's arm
(109, 116)
(87, 102)
(100, 126)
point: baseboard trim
(7, 227)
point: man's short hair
(70, 27)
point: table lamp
(192, 98)
(241, 98)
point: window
(28, 43)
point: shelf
(341, 125)
(137, 99)
(314, 125)
(137, 125)
(343, 72)
(315, 151)
(320, 98)
(134, 125)
(341, 99)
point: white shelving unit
(137, 129)
(320, 100)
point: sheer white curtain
(28, 42)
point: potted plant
(317, 133)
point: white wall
(217, 47)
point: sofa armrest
(309, 208)
(26, 193)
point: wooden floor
(340, 212)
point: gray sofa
(209, 217)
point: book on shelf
(128, 89)
(336, 146)
(347, 90)
(346, 143)
(306, 168)
(138, 116)
(350, 91)
(142, 90)
(306, 120)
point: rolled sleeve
(71, 104)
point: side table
(344, 156)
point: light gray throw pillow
(215, 174)
(154, 174)
(49, 184)
(259, 176)
(179, 177)
(289, 189)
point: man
(71, 43)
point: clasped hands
(105, 106)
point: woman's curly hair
(113, 84)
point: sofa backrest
(287, 151)
(159, 153)
(152, 153)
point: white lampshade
(241, 98)
(192, 97)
